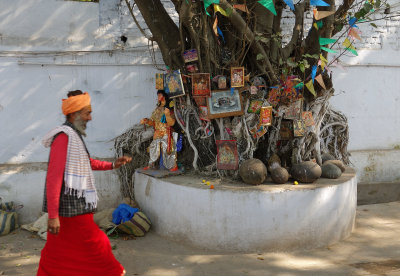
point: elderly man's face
(80, 119)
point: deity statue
(164, 139)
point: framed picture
(266, 116)
(227, 155)
(203, 113)
(299, 128)
(222, 82)
(255, 106)
(190, 55)
(224, 104)
(201, 85)
(237, 76)
(257, 132)
(192, 68)
(286, 130)
(294, 110)
(159, 81)
(200, 101)
(307, 118)
(173, 85)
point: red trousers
(80, 248)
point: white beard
(80, 125)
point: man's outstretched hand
(122, 161)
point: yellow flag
(320, 81)
(217, 8)
(347, 44)
(310, 87)
(315, 25)
(215, 26)
(322, 58)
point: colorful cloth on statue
(160, 128)
(78, 175)
(80, 249)
(159, 146)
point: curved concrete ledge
(239, 217)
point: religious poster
(286, 130)
(227, 155)
(259, 131)
(308, 118)
(299, 128)
(274, 96)
(190, 55)
(159, 81)
(266, 116)
(201, 84)
(237, 76)
(294, 110)
(224, 104)
(203, 113)
(173, 85)
(222, 82)
(255, 106)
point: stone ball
(338, 163)
(279, 175)
(274, 161)
(306, 172)
(327, 156)
(253, 171)
(330, 170)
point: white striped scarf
(78, 174)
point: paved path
(372, 249)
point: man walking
(75, 244)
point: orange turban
(75, 103)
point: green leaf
(374, 25)
(264, 39)
(377, 4)
(260, 56)
(301, 66)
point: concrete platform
(239, 217)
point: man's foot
(174, 169)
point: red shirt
(55, 172)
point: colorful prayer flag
(325, 41)
(322, 14)
(290, 4)
(217, 8)
(319, 3)
(320, 81)
(207, 3)
(310, 87)
(328, 50)
(269, 4)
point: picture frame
(201, 84)
(159, 81)
(224, 103)
(286, 130)
(227, 155)
(255, 106)
(222, 82)
(237, 76)
(308, 118)
(190, 55)
(203, 113)
(294, 110)
(265, 116)
(299, 128)
(258, 131)
(173, 84)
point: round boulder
(330, 170)
(279, 175)
(306, 172)
(327, 156)
(338, 163)
(253, 171)
(274, 161)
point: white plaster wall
(46, 49)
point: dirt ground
(372, 249)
